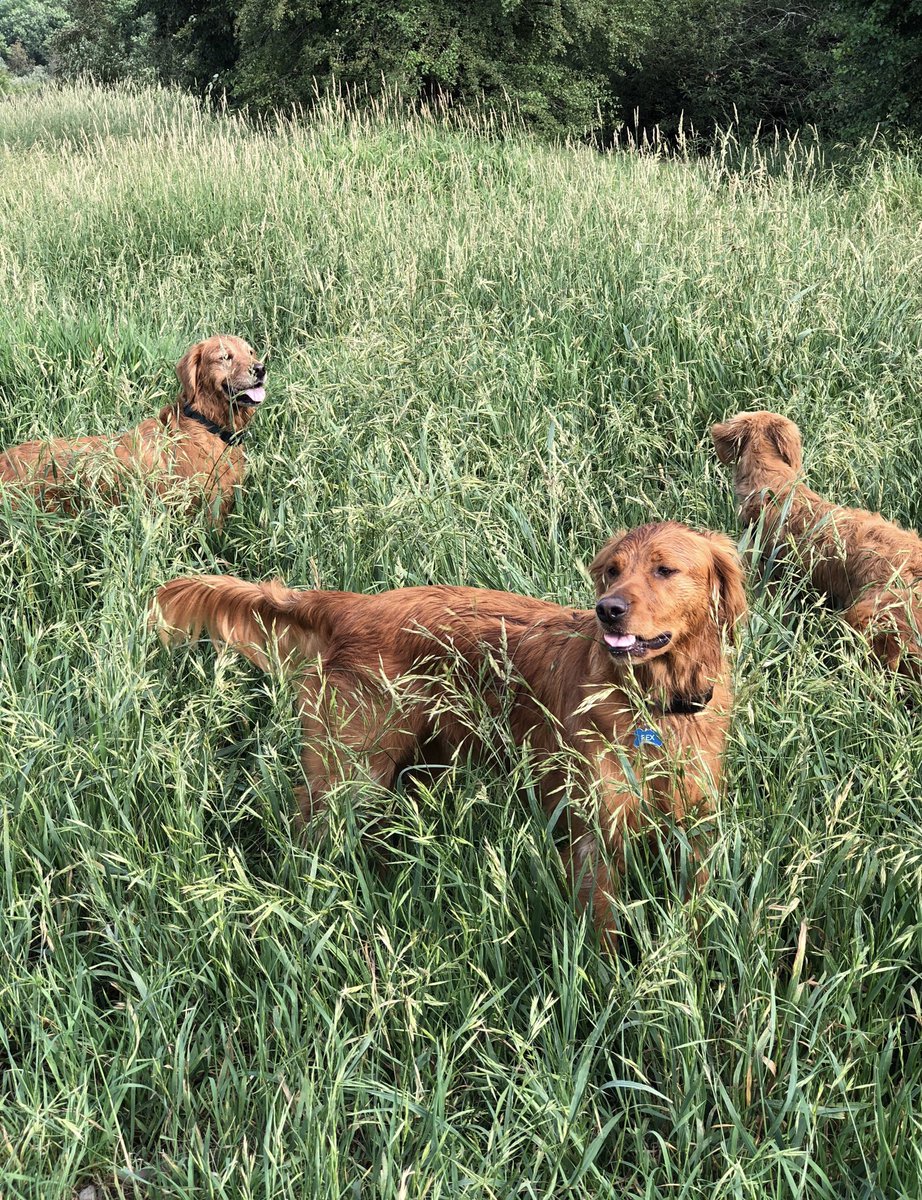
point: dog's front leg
(592, 870)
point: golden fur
(574, 685)
(863, 564)
(165, 451)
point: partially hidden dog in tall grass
(192, 447)
(624, 707)
(865, 565)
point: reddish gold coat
(394, 679)
(172, 454)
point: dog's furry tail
(258, 620)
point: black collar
(687, 706)
(228, 437)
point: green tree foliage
(196, 44)
(109, 39)
(878, 63)
(31, 24)
(550, 60)
(712, 62)
(844, 65)
(566, 66)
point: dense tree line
(568, 66)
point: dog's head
(754, 439)
(669, 594)
(891, 625)
(223, 379)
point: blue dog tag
(646, 737)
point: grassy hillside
(484, 356)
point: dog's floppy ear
(187, 369)
(600, 563)
(728, 575)
(728, 439)
(785, 437)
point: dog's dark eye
(612, 573)
(665, 572)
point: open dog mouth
(629, 643)
(250, 395)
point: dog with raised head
(862, 563)
(193, 445)
(624, 707)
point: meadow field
(485, 355)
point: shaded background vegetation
(566, 66)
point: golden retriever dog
(624, 707)
(861, 562)
(194, 442)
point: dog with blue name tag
(623, 707)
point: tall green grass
(485, 355)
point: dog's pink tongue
(257, 394)
(619, 641)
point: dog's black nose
(259, 371)
(612, 608)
